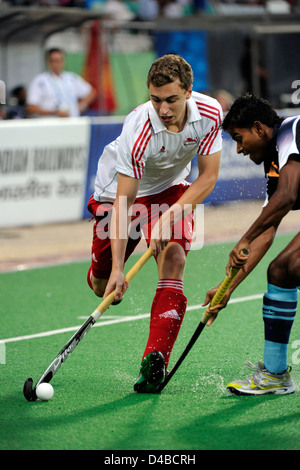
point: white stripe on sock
(170, 284)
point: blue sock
(279, 310)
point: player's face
(56, 62)
(169, 101)
(252, 142)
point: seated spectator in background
(57, 92)
(119, 10)
(225, 99)
(17, 103)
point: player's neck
(178, 126)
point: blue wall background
(192, 45)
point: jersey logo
(274, 170)
(162, 150)
(190, 141)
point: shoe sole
(281, 391)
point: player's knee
(284, 271)
(174, 260)
(277, 271)
(98, 291)
(294, 271)
(97, 285)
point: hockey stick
(28, 390)
(217, 298)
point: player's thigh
(150, 209)
(101, 244)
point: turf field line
(114, 321)
(196, 307)
(232, 301)
(74, 328)
(84, 317)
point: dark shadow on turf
(240, 426)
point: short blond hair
(168, 68)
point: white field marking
(116, 320)
(232, 301)
(85, 317)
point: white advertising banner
(43, 168)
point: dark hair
(17, 91)
(167, 69)
(52, 50)
(246, 110)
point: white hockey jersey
(146, 150)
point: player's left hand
(213, 311)
(160, 236)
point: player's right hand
(238, 257)
(117, 283)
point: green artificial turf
(94, 406)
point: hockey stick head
(29, 391)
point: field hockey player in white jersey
(269, 139)
(141, 178)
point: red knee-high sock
(167, 312)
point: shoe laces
(261, 373)
(261, 367)
(255, 367)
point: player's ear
(189, 92)
(258, 127)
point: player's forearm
(258, 249)
(199, 190)
(271, 216)
(194, 195)
(84, 103)
(119, 233)
(126, 195)
(118, 248)
(33, 109)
